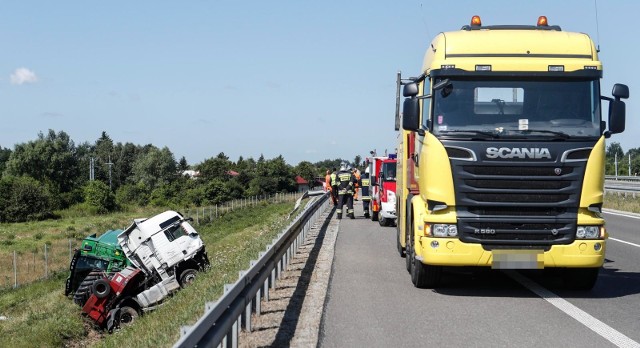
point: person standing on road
(364, 189)
(334, 186)
(346, 183)
(356, 174)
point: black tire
(408, 250)
(425, 276)
(83, 293)
(398, 245)
(101, 288)
(187, 277)
(582, 279)
(127, 316)
(383, 222)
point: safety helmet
(343, 166)
(367, 170)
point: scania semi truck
(501, 153)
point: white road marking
(621, 214)
(576, 313)
(625, 242)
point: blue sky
(305, 80)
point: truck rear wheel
(580, 278)
(383, 222)
(83, 293)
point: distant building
(193, 174)
(302, 184)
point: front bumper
(388, 210)
(453, 252)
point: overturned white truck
(167, 253)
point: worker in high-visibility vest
(334, 186)
(346, 182)
(356, 173)
(366, 196)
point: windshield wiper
(560, 135)
(471, 132)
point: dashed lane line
(586, 319)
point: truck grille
(522, 204)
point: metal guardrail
(629, 184)
(222, 320)
(622, 178)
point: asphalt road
(372, 302)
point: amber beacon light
(475, 21)
(542, 21)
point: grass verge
(622, 202)
(39, 315)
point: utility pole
(91, 169)
(629, 164)
(615, 160)
(109, 164)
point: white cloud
(22, 76)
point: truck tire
(398, 245)
(101, 288)
(580, 278)
(408, 251)
(187, 277)
(127, 316)
(422, 276)
(83, 293)
(383, 222)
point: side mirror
(617, 111)
(410, 90)
(411, 114)
(620, 91)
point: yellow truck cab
(501, 153)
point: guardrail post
(258, 300)
(265, 290)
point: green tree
(307, 171)
(4, 157)
(613, 152)
(182, 164)
(23, 199)
(154, 167)
(51, 159)
(215, 168)
(98, 196)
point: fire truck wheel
(101, 288)
(383, 221)
(187, 277)
(127, 315)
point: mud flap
(113, 318)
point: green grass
(623, 203)
(39, 315)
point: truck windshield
(516, 108)
(388, 172)
(89, 263)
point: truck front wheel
(580, 278)
(127, 315)
(187, 277)
(422, 276)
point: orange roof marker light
(542, 21)
(475, 21)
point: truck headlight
(444, 230)
(588, 232)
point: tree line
(615, 152)
(52, 173)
